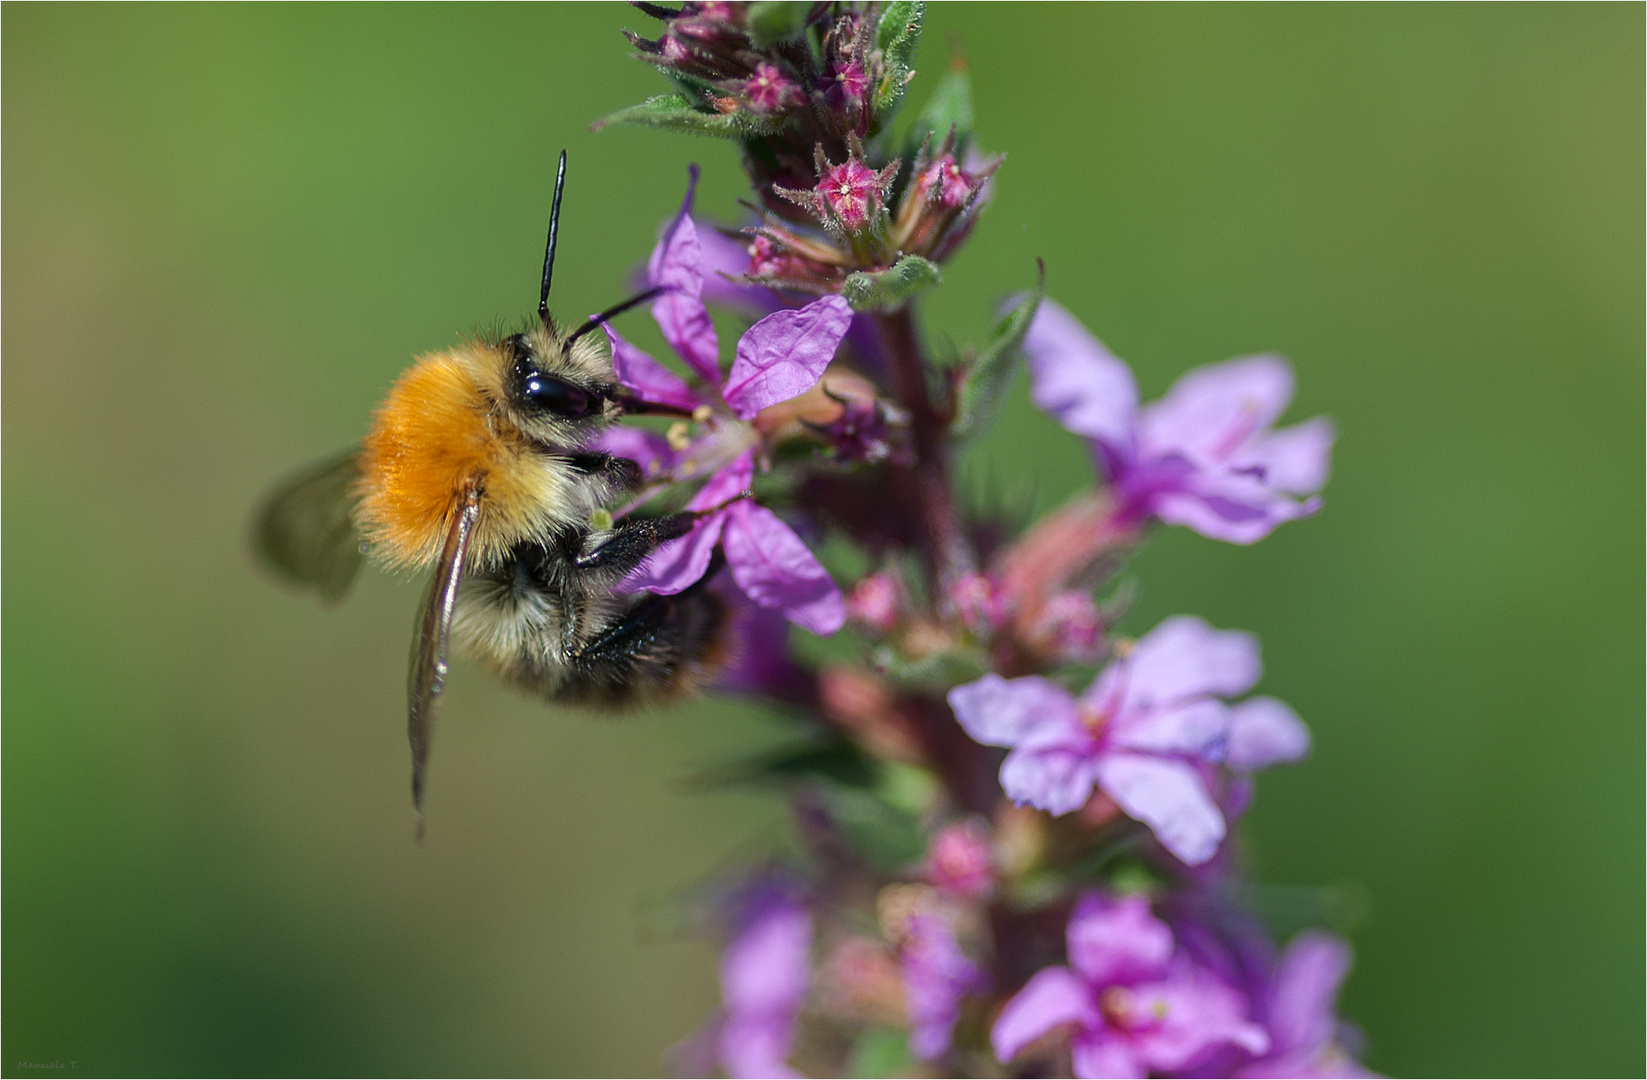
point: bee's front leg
(627, 543)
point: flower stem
(947, 554)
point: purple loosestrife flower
(1145, 732)
(1303, 1027)
(1204, 455)
(779, 358)
(1137, 1005)
(936, 976)
(764, 977)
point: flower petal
(676, 264)
(776, 569)
(1265, 732)
(937, 975)
(1000, 712)
(1245, 516)
(1105, 1054)
(1295, 459)
(647, 449)
(764, 977)
(1197, 729)
(645, 376)
(1168, 796)
(784, 355)
(1196, 1012)
(1056, 778)
(1117, 941)
(1213, 411)
(1052, 996)
(680, 564)
(1077, 381)
(1185, 658)
(1305, 992)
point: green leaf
(887, 837)
(831, 759)
(896, 37)
(676, 112)
(888, 290)
(771, 21)
(949, 107)
(990, 372)
(880, 1052)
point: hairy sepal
(891, 289)
(986, 379)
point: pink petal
(645, 376)
(678, 564)
(681, 563)
(776, 569)
(1234, 508)
(1096, 1054)
(1079, 382)
(1197, 729)
(784, 355)
(1197, 1012)
(1265, 732)
(1168, 797)
(676, 263)
(1184, 658)
(1295, 459)
(1117, 941)
(1052, 996)
(1213, 411)
(1302, 1003)
(1057, 778)
(647, 449)
(1000, 712)
(767, 967)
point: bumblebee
(478, 464)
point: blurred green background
(228, 228)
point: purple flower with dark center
(1204, 455)
(852, 192)
(769, 91)
(1305, 1034)
(779, 358)
(936, 976)
(846, 85)
(1136, 1004)
(1145, 732)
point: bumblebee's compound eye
(553, 394)
(542, 393)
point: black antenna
(549, 248)
(614, 310)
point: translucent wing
(428, 673)
(305, 531)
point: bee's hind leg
(662, 647)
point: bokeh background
(228, 228)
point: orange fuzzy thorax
(436, 435)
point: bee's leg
(662, 647)
(630, 541)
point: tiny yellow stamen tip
(701, 413)
(677, 436)
(1124, 647)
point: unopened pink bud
(975, 601)
(1072, 622)
(959, 859)
(874, 602)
